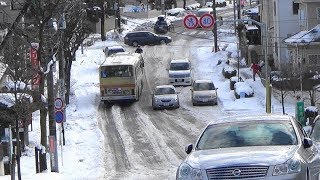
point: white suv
(180, 72)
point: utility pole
(162, 6)
(62, 27)
(103, 34)
(52, 122)
(51, 111)
(215, 32)
(118, 16)
(234, 17)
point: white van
(180, 72)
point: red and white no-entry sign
(206, 21)
(190, 21)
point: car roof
(165, 86)
(182, 60)
(138, 32)
(203, 81)
(122, 58)
(246, 118)
(205, 10)
(115, 47)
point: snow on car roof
(115, 47)
(243, 87)
(175, 10)
(203, 81)
(165, 86)
(182, 60)
(261, 117)
(205, 10)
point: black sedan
(145, 38)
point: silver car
(165, 96)
(203, 92)
(252, 147)
(180, 72)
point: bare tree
(77, 29)
(282, 84)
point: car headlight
(186, 172)
(157, 100)
(291, 166)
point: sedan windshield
(240, 134)
(203, 86)
(162, 91)
(179, 66)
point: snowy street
(132, 141)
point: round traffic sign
(59, 116)
(58, 103)
(190, 21)
(206, 21)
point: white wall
(285, 22)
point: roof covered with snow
(305, 37)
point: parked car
(176, 12)
(145, 38)
(243, 89)
(165, 96)
(203, 92)
(229, 72)
(180, 72)
(252, 147)
(109, 50)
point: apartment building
(282, 20)
(303, 47)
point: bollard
(36, 155)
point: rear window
(203, 86)
(113, 51)
(166, 90)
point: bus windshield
(116, 71)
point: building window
(318, 13)
(295, 8)
(314, 59)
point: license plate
(204, 100)
(166, 104)
(179, 80)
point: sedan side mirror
(307, 143)
(188, 148)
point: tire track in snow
(113, 141)
(141, 142)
